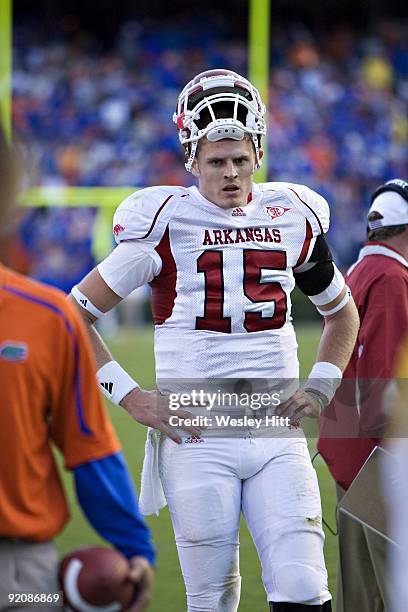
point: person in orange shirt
(49, 396)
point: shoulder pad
(314, 207)
(144, 214)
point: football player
(222, 259)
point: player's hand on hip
(151, 408)
(141, 574)
(301, 404)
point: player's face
(225, 170)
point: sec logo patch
(275, 211)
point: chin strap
(189, 163)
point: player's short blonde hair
(246, 137)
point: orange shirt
(48, 394)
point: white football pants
(273, 482)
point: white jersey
(221, 279)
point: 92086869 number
(36, 599)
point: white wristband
(85, 302)
(332, 291)
(325, 378)
(339, 306)
(114, 382)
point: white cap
(392, 207)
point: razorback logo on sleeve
(118, 228)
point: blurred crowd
(101, 115)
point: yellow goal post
(107, 198)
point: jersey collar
(256, 190)
(378, 248)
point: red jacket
(353, 423)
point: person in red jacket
(354, 422)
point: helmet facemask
(219, 104)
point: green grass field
(134, 350)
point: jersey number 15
(210, 263)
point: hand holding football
(96, 579)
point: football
(97, 577)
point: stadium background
(94, 89)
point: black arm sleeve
(318, 278)
(321, 251)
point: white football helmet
(219, 104)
